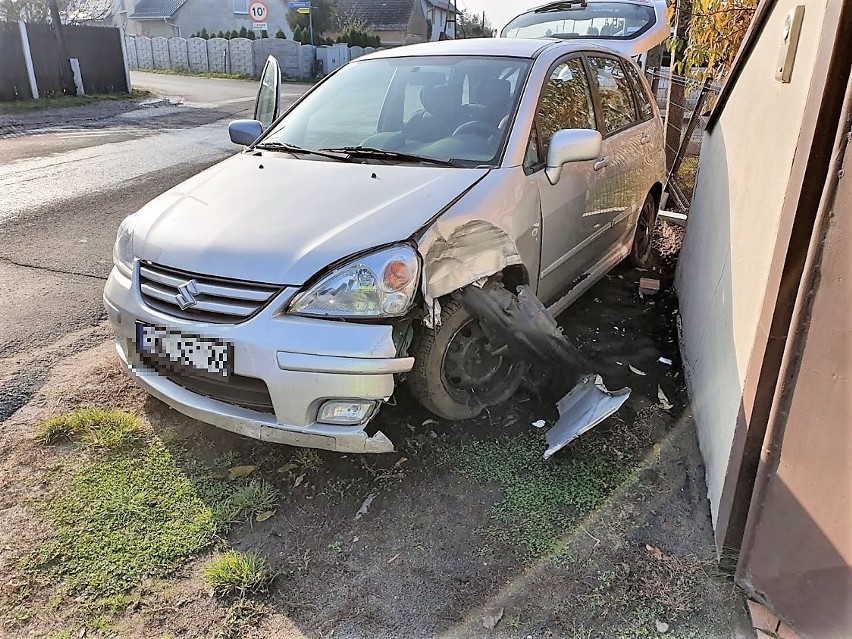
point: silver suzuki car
(283, 293)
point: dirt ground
(446, 546)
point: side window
(566, 102)
(532, 158)
(646, 110)
(616, 100)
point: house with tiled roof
(185, 17)
(400, 22)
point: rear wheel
(455, 373)
(642, 250)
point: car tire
(436, 382)
(641, 251)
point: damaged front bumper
(302, 363)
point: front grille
(218, 301)
(247, 392)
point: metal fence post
(123, 36)
(28, 59)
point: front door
(268, 101)
(567, 229)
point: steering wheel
(478, 128)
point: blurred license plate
(205, 354)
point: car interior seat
(437, 119)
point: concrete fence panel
(217, 54)
(307, 60)
(144, 52)
(266, 47)
(178, 54)
(369, 50)
(356, 52)
(160, 49)
(196, 51)
(241, 56)
(289, 60)
(130, 46)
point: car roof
(508, 47)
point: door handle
(646, 137)
(603, 162)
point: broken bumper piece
(587, 405)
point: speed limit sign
(258, 11)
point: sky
(499, 12)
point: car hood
(276, 219)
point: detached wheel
(641, 252)
(455, 373)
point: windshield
(452, 108)
(611, 20)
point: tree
(203, 34)
(324, 19)
(280, 35)
(243, 33)
(473, 25)
(713, 37)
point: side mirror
(571, 145)
(244, 132)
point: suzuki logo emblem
(186, 295)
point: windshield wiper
(368, 152)
(297, 150)
(562, 5)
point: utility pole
(676, 91)
(311, 22)
(65, 62)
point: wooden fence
(36, 50)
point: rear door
(268, 103)
(625, 137)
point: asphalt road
(66, 182)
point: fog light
(346, 411)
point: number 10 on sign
(258, 12)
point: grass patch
(61, 101)
(123, 518)
(248, 500)
(542, 499)
(96, 427)
(237, 573)
(213, 75)
(140, 509)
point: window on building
(241, 6)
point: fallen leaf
(489, 622)
(665, 360)
(664, 401)
(286, 468)
(264, 516)
(393, 559)
(636, 370)
(430, 422)
(539, 424)
(365, 506)
(241, 471)
(400, 462)
(656, 553)
(299, 480)
(662, 627)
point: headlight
(381, 284)
(122, 252)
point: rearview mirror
(244, 132)
(571, 145)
